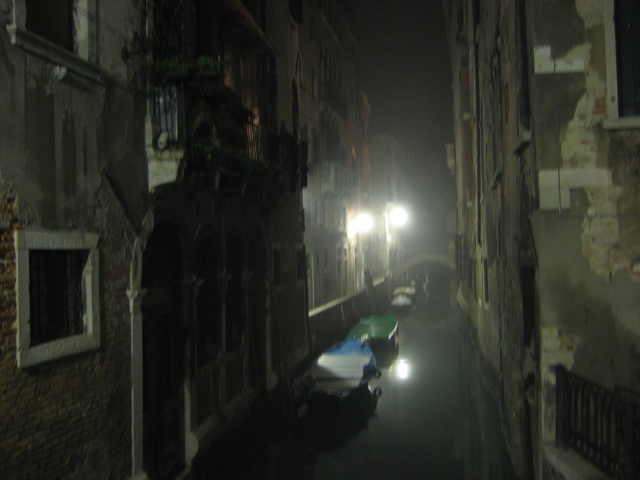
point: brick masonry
(70, 416)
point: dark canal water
(434, 420)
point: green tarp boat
(379, 331)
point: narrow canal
(413, 433)
(435, 419)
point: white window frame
(613, 119)
(82, 60)
(26, 240)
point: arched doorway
(208, 331)
(163, 355)
(257, 311)
(295, 109)
(235, 325)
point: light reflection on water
(400, 369)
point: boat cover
(401, 301)
(406, 290)
(377, 327)
(344, 366)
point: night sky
(403, 66)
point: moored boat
(337, 383)
(380, 332)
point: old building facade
(333, 120)
(153, 268)
(546, 160)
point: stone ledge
(571, 466)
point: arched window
(295, 108)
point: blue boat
(338, 381)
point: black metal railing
(602, 425)
(195, 109)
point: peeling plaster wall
(586, 220)
(587, 240)
(66, 129)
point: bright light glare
(402, 370)
(398, 216)
(363, 223)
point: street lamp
(398, 216)
(363, 223)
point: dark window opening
(485, 286)
(295, 10)
(627, 22)
(528, 287)
(295, 109)
(301, 264)
(208, 308)
(56, 294)
(524, 111)
(235, 322)
(277, 268)
(206, 28)
(51, 20)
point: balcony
(209, 137)
(194, 113)
(601, 425)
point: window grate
(165, 108)
(56, 294)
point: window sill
(49, 51)
(57, 349)
(621, 123)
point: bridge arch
(396, 272)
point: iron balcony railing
(601, 425)
(173, 108)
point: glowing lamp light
(363, 223)
(398, 216)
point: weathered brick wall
(68, 418)
(7, 290)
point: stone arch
(295, 108)
(163, 357)
(235, 321)
(207, 323)
(258, 311)
(396, 273)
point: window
(208, 307)
(622, 31)
(165, 109)
(63, 31)
(52, 21)
(57, 295)
(295, 10)
(485, 281)
(277, 268)
(301, 264)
